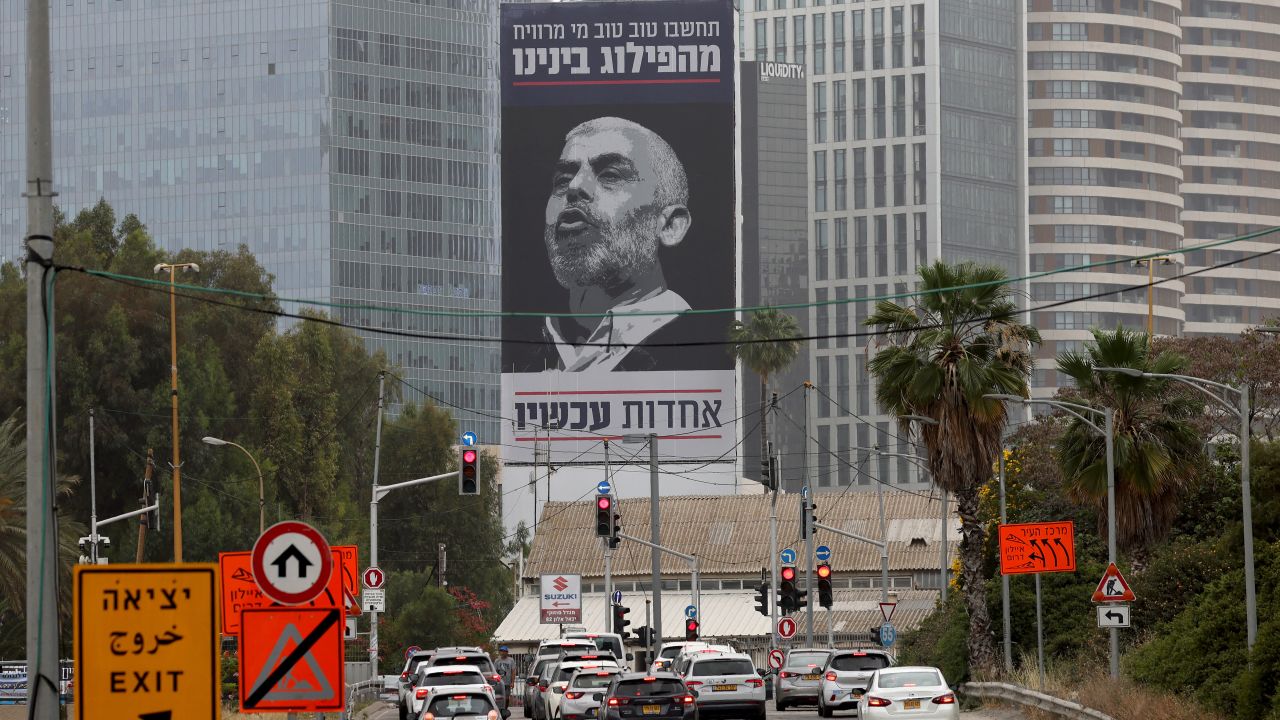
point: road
(387, 711)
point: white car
(726, 685)
(462, 703)
(560, 680)
(681, 664)
(431, 680)
(915, 692)
(579, 700)
(670, 651)
(608, 642)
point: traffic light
(787, 591)
(823, 571)
(762, 599)
(469, 472)
(691, 630)
(620, 621)
(604, 516)
(615, 527)
(808, 516)
(643, 634)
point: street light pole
(262, 512)
(1151, 277)
(172, 269)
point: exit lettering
(145, 681)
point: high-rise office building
(1230, 160)
(915, 155)
(348, 144)
(1104, 166)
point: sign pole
(810, 456)
(655, 537)
(773, 555)
(373, 525)
(1039, 634)
(1109, 417)
(1004, 579)
(608, 549)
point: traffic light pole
(883, 545)
(608, 577)
(693, 564)
(773, 557)
(807, 519)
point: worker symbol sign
(291, 660)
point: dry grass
(1122, 700)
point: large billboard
(618, 226)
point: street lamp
(172, 269)
(1107, 432)
(1241, 411)
(218, 442)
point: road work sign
(146, 641)
(239, 591)
(1113, 588)
(292, 562)
(561, 599)
(1037, 548)
(291, 660)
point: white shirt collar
(618, 332)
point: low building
(730, 537)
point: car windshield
(480, 661)
(723, 666)
(564, 673)
(806, 659)
(447, 678)
(457, 705)
(670, 651)
(539, 666)
(910, 678)
(855, 663)
(607, 644)
(593, 680)
(649, 688)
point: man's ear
(675, 223)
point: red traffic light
(788, 573)
(468, 456)
(824, 571)
(603, 502)
(691, 626)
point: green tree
(1157, 450)
(957, 341)
(766, 344)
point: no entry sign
(291, 562)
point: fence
(1030, 698)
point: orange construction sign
(291, 660)
(1113, 588)
(240, 591)
(349, 568)
(1037, 548)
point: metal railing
(1019, 695)
(359, 691)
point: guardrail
(1031, 698)
(360, 690)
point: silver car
(797, 682)
(727, 686)
(846, 676)
(582, 695)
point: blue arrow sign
(888, 633)
(469, 438)
(804, 492)
(788, 557)
(617, 596)
(822, 552)
(603, 487)
(690, 612)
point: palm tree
(1156, 445)
(766, 344)
(955, 342)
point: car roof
(592, 670)
(446, 669)
(909, 668)
(455, 649)
(642, 675)
(461, 689)
(808, 649)
(718, 654)
(859, 651)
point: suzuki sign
(561, 599)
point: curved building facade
(1231, 160)
(1104, 165)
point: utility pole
(42, 547)
(655, 537)
(93, 498)
(805, 504)
(773, 553)
(143, 521)
(607, 544)
(1004, 579)
(373, 523)
(944, 563)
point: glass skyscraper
(348, 144)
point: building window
(837, 42)
(839, 119)
(899, 38)
(877, 39)
(919, 173)
(819, 112)
(842, 183)
(921, 242)
(1070, 31)
(918, 103)
(917, 35)
(762, 40)
(900, 244)
(780, 39)
(797, 38)
(819, 44)
(882, 246)
(842, 248)
(859, 41)
(900, 106)
(820, 252)
(860, 266)
(878, 174)
(878, 107)
(820, 180)
(899, 175)
(859, 109)
(859, 178)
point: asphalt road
(387, 711)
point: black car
(640, 695)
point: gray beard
(621, 253)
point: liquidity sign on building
(618, 219)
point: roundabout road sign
(291, 562)
(786, 628)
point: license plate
(656, 709)
(722, 688)
(814, 676)
(855, 694)
(911, 704)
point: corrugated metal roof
(730, 534)
(724, 615)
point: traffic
(591, 676)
